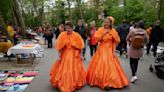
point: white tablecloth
(37, 50)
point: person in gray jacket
(136, 54)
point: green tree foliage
(162, 14)
(133, 10)
(6, 11)
(37, 12)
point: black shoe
(5, 55)
(107, 88)
(126, 56)
(12, 56)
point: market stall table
(26, 51)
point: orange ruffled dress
(68, 72)
(104, 69)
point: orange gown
(104, 69)
(68, 72)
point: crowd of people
(13, 35)
(104, 70)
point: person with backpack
(137, 38)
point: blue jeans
(84, 49)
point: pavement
(148, 81)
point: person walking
(104, 69)
(156, 37)
(91, 38)
(59, 30)
(81, 29)
(49, 37)
(123, 32)
(137, 37)
(68, 73)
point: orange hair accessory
(112, 19)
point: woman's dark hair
(141, 24)
(136, 25)
(1, 33)
(69, 23)
(10, 23)
(111, 25)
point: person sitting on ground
(5, 44)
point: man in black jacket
(81, 29)
(156, 37)
(123, 32)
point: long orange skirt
(68, 73)
(105, 69)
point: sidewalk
(148, 82)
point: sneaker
(84, 58)
(141, 59)
(133, 79)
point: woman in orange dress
(104, 69)
(67, 72)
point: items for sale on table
(28, 45)
(3, 77)
(29, 73)
(15, 81)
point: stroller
(158, 66)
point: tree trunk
(23, 12)
(42, 12)
(34, 2)
(158, 9)
(2, 22)
(80, 9)
(62, 12)
(69, 10)
(14, 18)
(18, 16)
(97, 8)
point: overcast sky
(49, 3)
(53, 1)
